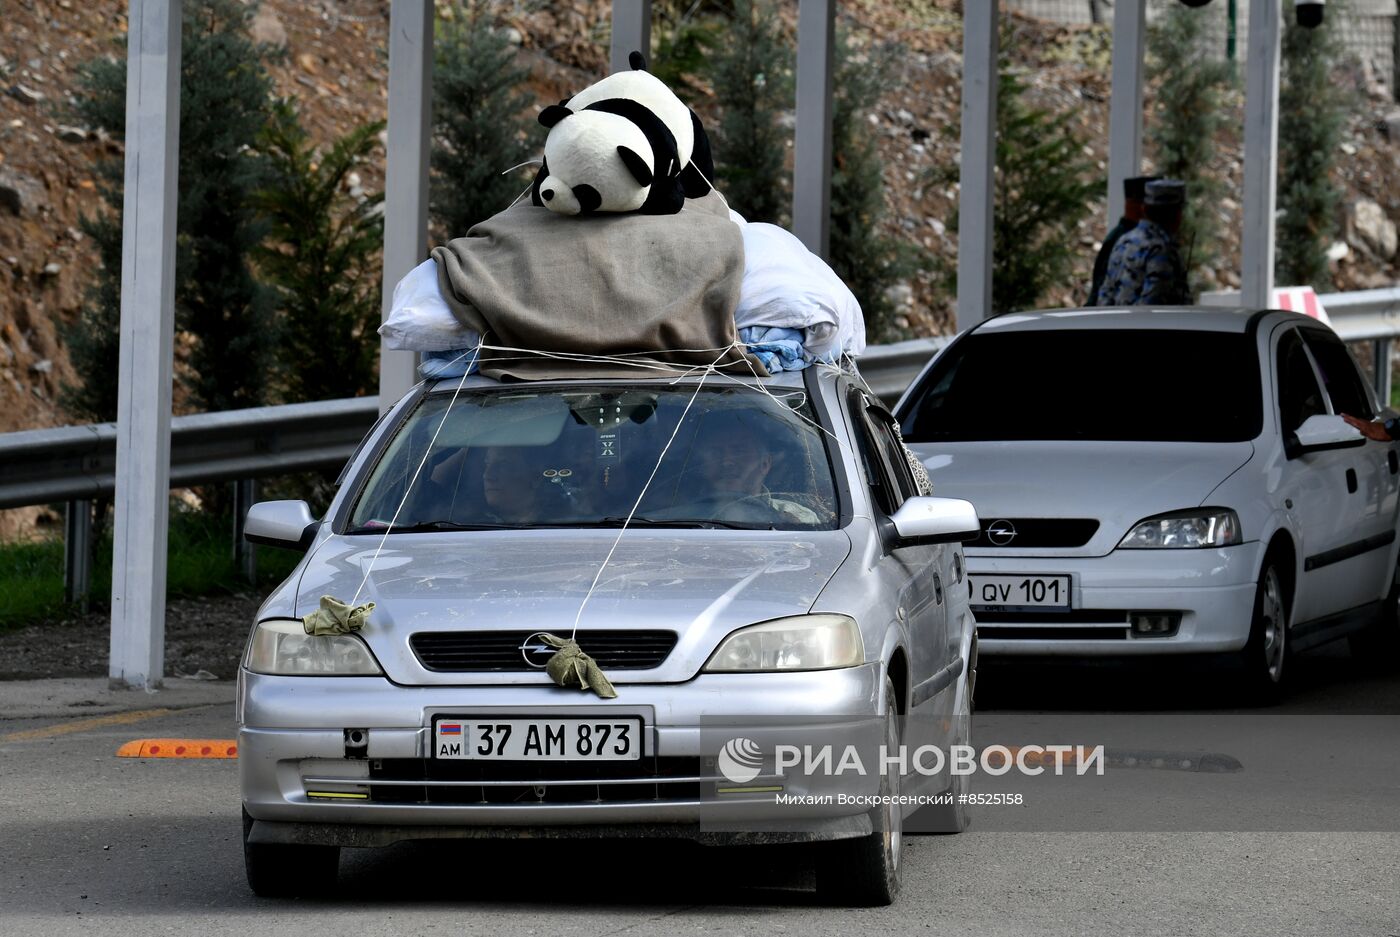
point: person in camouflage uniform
(1134, 208)
(1145, 268)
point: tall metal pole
(147, 343)
(406, 173)
(811, 172)
(976, 168)
(1260, 152)
(631, 32)
(1125, 101)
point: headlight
(1212, 527)
(284, 647)
(809, 642)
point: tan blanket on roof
(662, 285)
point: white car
(1164, 481)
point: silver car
(745, 560)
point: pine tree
(224, 104)
(751, 73)
(1312, 116)
(1044, 185)
(1190, 111)
(868, 260)
(478, 130)
(321, 258)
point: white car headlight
(1211, 527)
(284, 648)
(807, 642)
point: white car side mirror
(286, 524)
(1321, 431)
(936, 520)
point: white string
(408, 489)
(636, 504)
(528, 162)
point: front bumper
(1212, 590)
(300, 783)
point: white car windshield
(591, 456)
(1168, 385)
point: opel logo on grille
(536, 652)
(1000, 533)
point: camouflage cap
(1166, 192)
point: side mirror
(286, 524)
(936, 520)
(1321, 432)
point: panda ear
(639, 168)
(553, 114)
(637, 61)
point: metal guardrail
(77, 464)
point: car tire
(1377, 646)
(277, 870)
(1264, 659)
(865, 872)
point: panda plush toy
(625, 143)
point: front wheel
(1265, 655)
(278, 870)
(865, 872)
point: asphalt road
(1302, 838)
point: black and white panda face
(587, 168)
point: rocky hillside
(335, 66)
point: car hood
(701, 584)
(1115, 483)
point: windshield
(582, 456)
(1102, 384)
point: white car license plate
(1000, 592)
(600, 738)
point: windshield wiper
(429, 526)
(680, 523)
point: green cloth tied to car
(571, 667)
(337, 617)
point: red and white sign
(1300, 299)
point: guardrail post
(1380, 369)
(147, 340)
(77, 553)
(811, 168)
(631, 32)
(1125, 101)
(406, 172)
(977, 165)
(1260, 153)
(245, 554)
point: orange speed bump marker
(179, 748)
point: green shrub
(1311, 120)
(478, 129)
(752, 76)
(225, 101)
(868, 260)
(322, 260)
(1192, 88)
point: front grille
(514, 783)
(1084, 616)
(1005, 633)
(1036, 532)
(479, 651)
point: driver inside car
(731, 461)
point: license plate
(1003, 592)
(539, 739)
